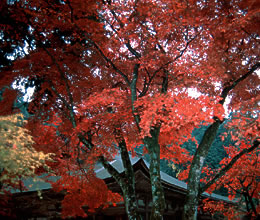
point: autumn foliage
(19, 160)
(111, 75)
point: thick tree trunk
(155, 178)
(128, 186)
(193, 187)
(130, 203)
(192, 201)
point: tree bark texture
(155, 177)
(193, 187)
(127, 185)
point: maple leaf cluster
(111, 72)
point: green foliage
(216, 152)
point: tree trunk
(155, 178)
(128, 189)
(193, 187)
(128, 186)
(130, 203)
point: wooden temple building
(28, 205)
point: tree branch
(134, 96)
(165, 82)
(113, 172)
(104, 56)
(210, 133)
(132, 50)
(63, 77)
(163, 67)
(229, 165)
(110, 62)
(129, 172)
(176, 58)
(227, 89)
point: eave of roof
(136, 162)
(165, 178)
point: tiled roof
(117, 163)
(102, 173)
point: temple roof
(165, 178)
(138, 163)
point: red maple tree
(110, 75)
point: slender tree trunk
(155, 178)
(193, 187)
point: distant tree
(216, 152)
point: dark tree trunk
(128, 187)
(126, 182)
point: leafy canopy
(18, 158)
(108, 72)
